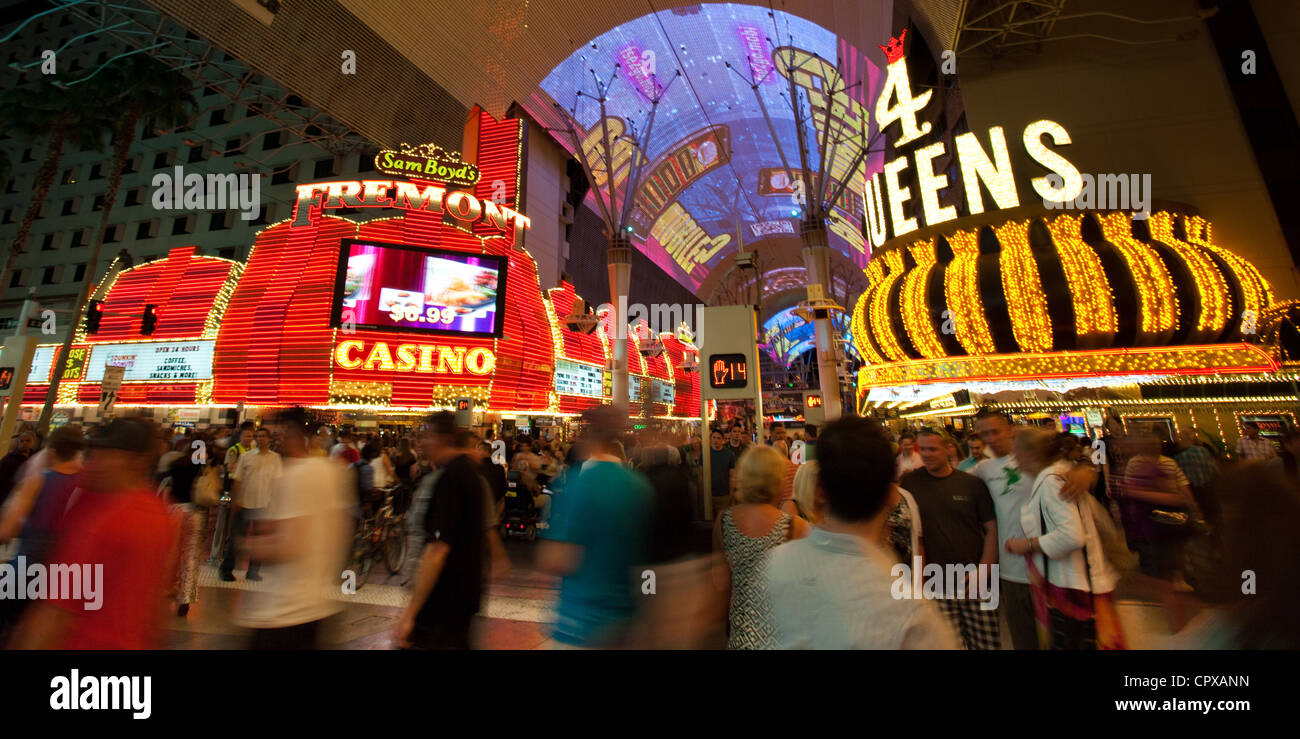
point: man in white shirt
(834, 588)
(243, 509)
(303, 542)
(1252, 447)
(257, 474)
(908, 459)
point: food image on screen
(403, 287)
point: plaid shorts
(978, 628)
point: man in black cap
(121, 538)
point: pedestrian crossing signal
(6, 377)
(94, 314)
(149, 322)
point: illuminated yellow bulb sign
(423, 358)
(896, 104)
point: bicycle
(381, 535)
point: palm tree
(73, 117)
(151, 92)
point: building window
(69, 176)
(27, 156)
(47, 244)
(113, 233)
(218, 222)
(9, 216)
(282, 176)
(47, 276)
(146, 230)
(16, 279)
(162, 159)
(70, 207)
(218, 117)
(265, 215)
(129, 166)
(182, 225)
(97, 172)
(133, 197)
(11, 187)
(234, 146)
(78, 238)
(324, 168)
(365, 162)
(80, 273)
(271, 140)
(196, 154)
(99, 203)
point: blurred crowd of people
(810, 531)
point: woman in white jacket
(1062, 544)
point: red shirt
(134, 537)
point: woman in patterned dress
(744, 534)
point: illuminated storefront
(1053, 315)
(393, 316)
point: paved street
(517, 614)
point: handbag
(207, 491)
(1066, 617)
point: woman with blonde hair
(803, 503)
(745, 534)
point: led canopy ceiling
(707, 167)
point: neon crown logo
(894, 51)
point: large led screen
(710, 170)
(393, 286)
(786, 336)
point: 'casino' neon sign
(425, 358)
(460, 205)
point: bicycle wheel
(395, 548)
(364, 564)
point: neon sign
(427, 161)
(885, 200)
(461, 206)
(454, 360)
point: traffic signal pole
(78, 310)
(17, 353)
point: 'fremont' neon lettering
(463, 206)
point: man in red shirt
(122, 540)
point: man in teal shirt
(976, 445)
(596, 539)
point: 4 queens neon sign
(460, 205)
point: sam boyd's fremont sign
(427, 162)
